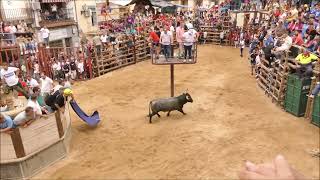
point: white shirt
(10, 76)
(172, 29)
(221, 35)
(242, 44)
(80, 67)
(57, 87)
(36, 107)
(104, 38)
(166, 38)
(46, 85)
(286, 44)
(45, 33)
(32, 83)
(189, 37)
(54, 8)
(13, 29)
(36, 68)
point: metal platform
(175, 59)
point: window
(93, 14)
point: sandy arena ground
(230, 121)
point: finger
(250, 166)
(298, 175)
(248, 175)
(266, 169)
(282, 168)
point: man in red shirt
(155, 41)
(298, 40)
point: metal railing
(16, 14)
(7, 39)
(172, 54)
(61, 15)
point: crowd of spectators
(43, 97)
(15, 33)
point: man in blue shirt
(6, 123)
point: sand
(230, 121)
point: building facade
(59, 16)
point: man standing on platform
(166, 40)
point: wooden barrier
(273, 79)
(123, 54)
(38, 135)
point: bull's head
(188, 97)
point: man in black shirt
(57, 100)
(73, 67)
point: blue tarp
(92, 120)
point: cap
(67, 92)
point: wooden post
(17, 143)
(134, 50)
(172, 79)
(59, 124)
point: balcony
(16, 14)
(64, 17)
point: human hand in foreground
(279, 169)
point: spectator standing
(36, 72)
(154, 37)
(242, 45)
(45, 33)
(73, 68)
(81, 69)
(97, 43)
(179, 37)
(32, 83)
(9, 77)
(46, 85)
(166, 40)
(189, 38)
(221, 36)
(54, 11)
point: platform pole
(172, 79)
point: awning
(55, 1)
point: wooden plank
(39, 134)
(7, 151)
(17, 143)
(59, 124)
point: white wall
(14, 9)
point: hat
(67, 92)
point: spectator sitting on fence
(304, 62)
(57, 100)
(9, 77)
(25, 118)
(279, 52)
(6, 123)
